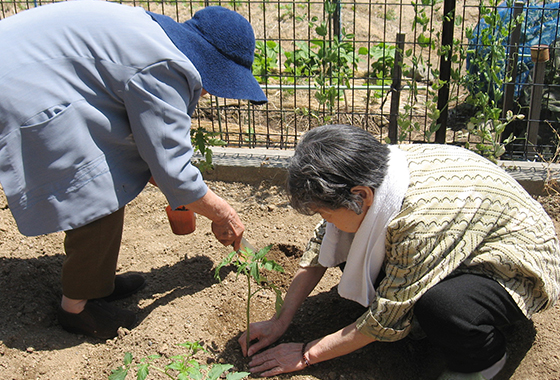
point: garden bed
(184, 302)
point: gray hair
(328, 162)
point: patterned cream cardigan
(461, 213)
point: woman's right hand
(229, 230)
(226, 225)
(265, 332)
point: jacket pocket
(57, 150)
(46, 115)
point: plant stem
(248, 309)
(162, 371)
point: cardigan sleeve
(310, 257)
(416, 260)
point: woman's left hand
(283, 358)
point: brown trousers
(92, 252)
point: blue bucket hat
(221, 45)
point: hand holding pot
(229, 230)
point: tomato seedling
(250, 264)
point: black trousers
(92, 252)
(463, 315)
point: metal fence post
(337, 22)
(396, 89)
(539, 55)
(445, 68)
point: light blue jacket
(94, 98)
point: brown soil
(184, 303)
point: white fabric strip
(364, 251)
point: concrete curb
(256, 165)
(536, 177)
(250, 165)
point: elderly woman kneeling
(433, 234)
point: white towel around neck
(364, 250)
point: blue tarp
(539, 27)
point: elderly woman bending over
(431, 233)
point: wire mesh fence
(408, 71)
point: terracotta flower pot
(182, 220)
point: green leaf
(176, 365)
(143, 371)
(424, 41)
(216, 370)
(264, 251)
(118, 374)
(127, 358)
(500, 127)
(197, 346)
(271, 265)
(195, 373)
(500, 150)
(226, 261)
(237, 375)
(322, 30)
(254, 272)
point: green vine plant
(486, 83)
(250, 135)
(250, 264)
(265, 64)
(202, 140)
(326, 62)
(181, 367)
(426, 37)
(382, 61)
(338, 62)
(330, 62)
(487, 125)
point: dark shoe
(126, 285)
(99, 319)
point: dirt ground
(184, 303)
